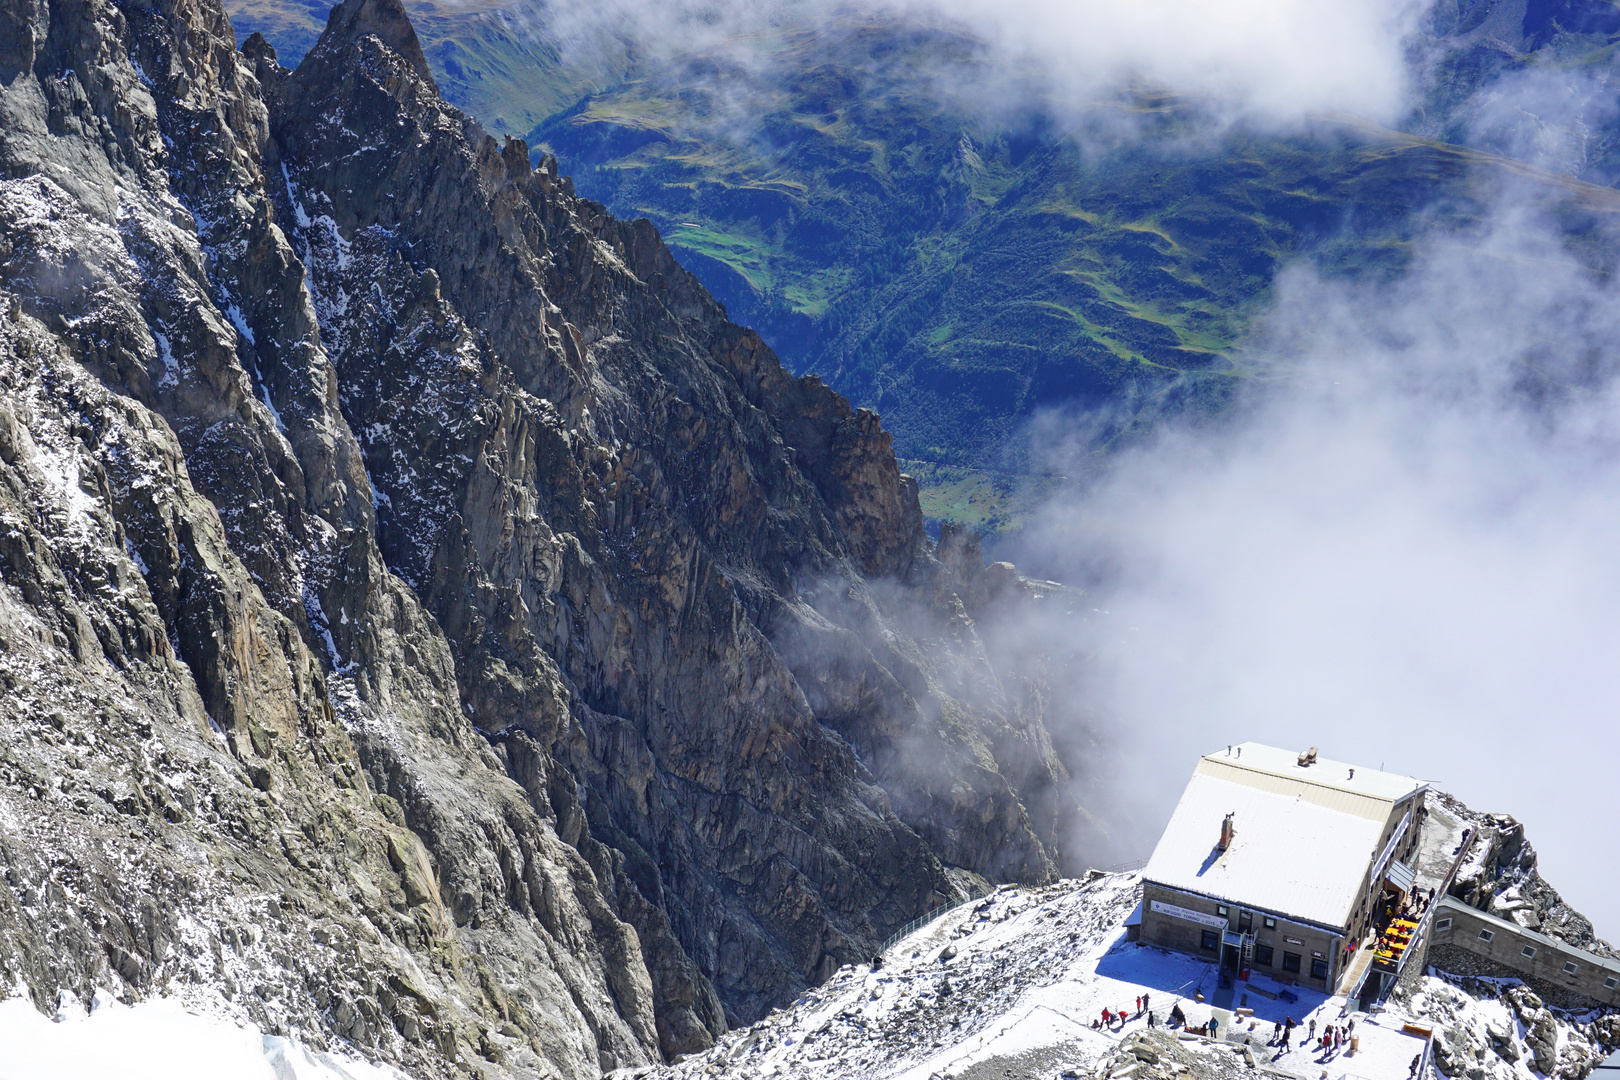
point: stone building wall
(1459, 949)
(1454, 960)
(1186, 935)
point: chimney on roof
(1307, 757)
(1227, 831)
(1352, 774)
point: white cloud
(1263, 59)
(1403, 552)
(1278, 59)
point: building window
(1291, 962)
(1443, 924)
(1263, 955)
(1486, 935)
(1319, 969)
(1220, 909)
(1528, 950)
(1212, 941)
(1611, 983)
(1271, 924)
(1571, 967)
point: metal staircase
(1248, 950)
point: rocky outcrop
(1499, 875)
(428, 623)
(154, 844)
(1533, 1039)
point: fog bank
(1402, 549)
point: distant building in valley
(1277, 861)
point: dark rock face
(427, 622)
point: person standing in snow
(1145, 1003)
(1108, 1018)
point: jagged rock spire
(353, 20)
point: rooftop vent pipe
(1227, 831)
(1307, 757)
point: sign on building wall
(1186, 913)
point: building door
(1371, 989)
(1245, 921)
(1230, 958)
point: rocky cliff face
(427, 621)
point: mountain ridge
(496, 661)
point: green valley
(948, 250)
(961, 273)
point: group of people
(1144, 1007)
(1334, 1036)
(1411, 907)
(1327, 1043)
(1416, 903)
(1110, 1017)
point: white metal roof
(1305, 837)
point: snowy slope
(1009, 987)
(156, 1040)
(1005, 988)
